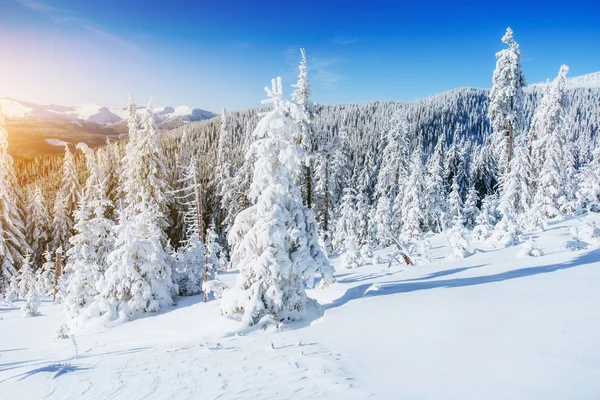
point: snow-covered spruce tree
(436, 206)
(340, 170)
(12, 292)
(457, 164)
(65, 203)
(144, 164)
(274, 242)
(301, 96)
(225, 172)
(455, 204)
(38, 223)
(413, 216)
(515, 194)
(550, 155)
(46, 280)
(138, 278)
(483, 169)
(28, 289)
(93, 239)
(392, 171)
(588, 184)
(471, 210)
(457, 238)
(347, 220)
(486, 219)
(215, 261)
(12, 229)
(506, 101)
(109, 164)
(90, 247)
(191, 255)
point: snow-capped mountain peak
(93, 113)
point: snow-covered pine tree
(28, 289)
(515, 193)
(144, 164)
(393, 171)
(109, 163)
(274, 242)
(307, 141)
(340, 171)
(90, 247)
(436, 206)
(471, 210)
(588, 184)
(65, 203)
(413, 216)
(455, 204)
(138, 278)
(191, 255)
(224, 173)
(484, 170)
(457, 164)
(486, 219)
(506, 101)
(46, 281)
(38, 224)
(549, 152)
(12, 229)
(12, 292)
(347, 221)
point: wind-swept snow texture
(491, 326)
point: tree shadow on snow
(444, 273)
(57, 369)
(388, 288)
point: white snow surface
(92, 113)
(491, 326)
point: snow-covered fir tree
(274, 242)
(471, 210)
(144, 164)
(515, 193)
(486, 219)
(455, 204)
(28, 289)
(388, 189)
(47, 275)
(550, 154)
(138, 277)
(301, 96)
(436, 206)
(191, 255)
(506, 100)
(225, 173)
(90, 247)
(12, 229)
(347, 221)
(413, 216)
(38, 223)
(65, 203)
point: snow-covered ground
(491, 326)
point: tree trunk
(509, 146)
(58, 271)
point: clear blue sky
(214, 54)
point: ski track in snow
(491, 326)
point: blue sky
(214, 54)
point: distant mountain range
(35, 128)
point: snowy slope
(489, 327)
(582, 81)
(92, 113)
